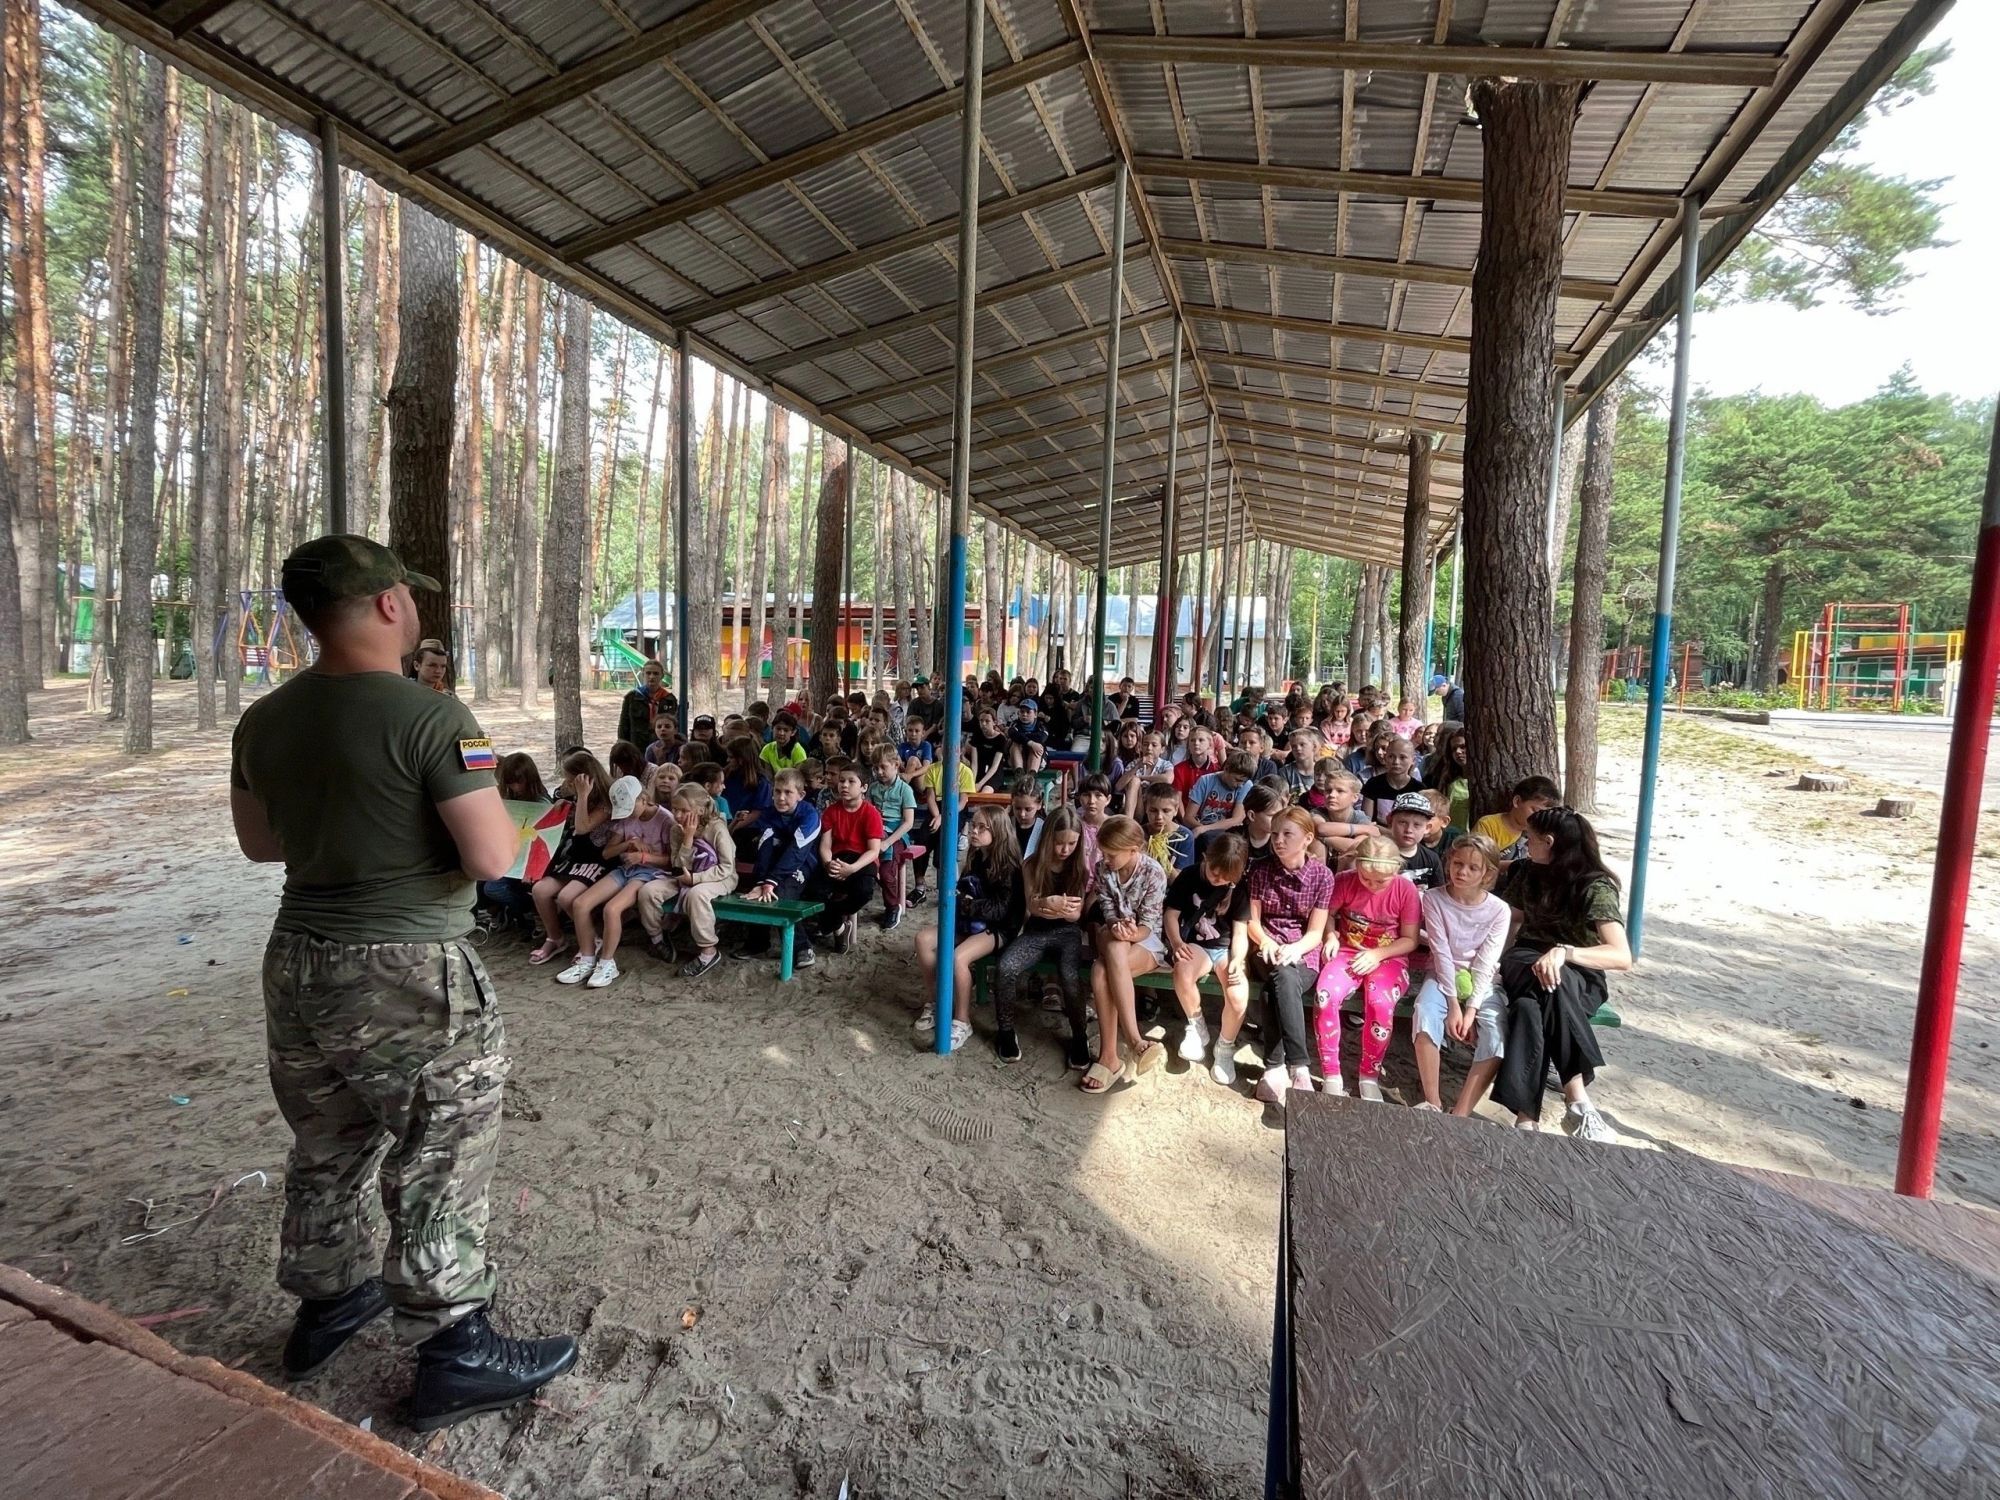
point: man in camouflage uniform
(387, 1054)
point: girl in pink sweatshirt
(1371, 930)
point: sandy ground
(936, 1277)
(1908, 750)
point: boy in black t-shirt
(1409, 821)
(1206, 905)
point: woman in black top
(1569, 932)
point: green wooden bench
(1160, 979)
(784, 915)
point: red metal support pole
(1958, 834)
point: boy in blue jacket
(786, 840)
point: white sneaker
(1223, 1069)
(925, 1025)
(1335, 1086)
(1302, 1080)
(1271, 1087)
(1194, 1040)
(605, 972)
(1584, 1122)
(1371, 1090)
(961, 1033)
(579, 971)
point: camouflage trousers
(388, 1061)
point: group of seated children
(1318, 848)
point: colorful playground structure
(1871, 655)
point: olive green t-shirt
(350, 770)
(1577, 928)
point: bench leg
(785, 953)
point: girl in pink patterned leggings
(1371, 929)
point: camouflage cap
(330, 568)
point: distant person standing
(637, 708)
(387, 1055)
(1453, 696)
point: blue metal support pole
(1663, 608)
(683, 481)
(1109, 462)
(953, 604)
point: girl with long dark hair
(1568, 933)
(1444, 771)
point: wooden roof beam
(1359, 333)
(1582, 290)
(833, 148)
(1305, 370)
(1019, 404)
(990, 296)
(998, 359)
(1046, 196)
(1743, 70)
(1322, 435)
(1631, 203)
(1339, 412)
(622, 58)
(1092, 421)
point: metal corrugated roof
(781, 181)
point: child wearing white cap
(641, 835)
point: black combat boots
(325, 1324)
(471, 1368)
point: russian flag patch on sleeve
(477, 754)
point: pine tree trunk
(877, 558)
(920, 583)
(1510, 432)
(1770, 636)
(1022, 636)
(991, 646)
(639, 503)
(473, 351)
(212, 230)
(828, 555)
(1361, 628)
(23, 150)
(733, 583)
(492, 596)
(231, 550)
(664, 551)
(568, 514)
(117, 364)
(527, 490)
(363, 398)
(777, 484)
(13, 645)
(1416, 575)
(781, 585)
(1385, 630)
(703, 619)
(795, 620)
(421, 395)
(1567, 471)
(1586, 619)
(140, 543)
(388, 331)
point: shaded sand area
(796, 1248)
